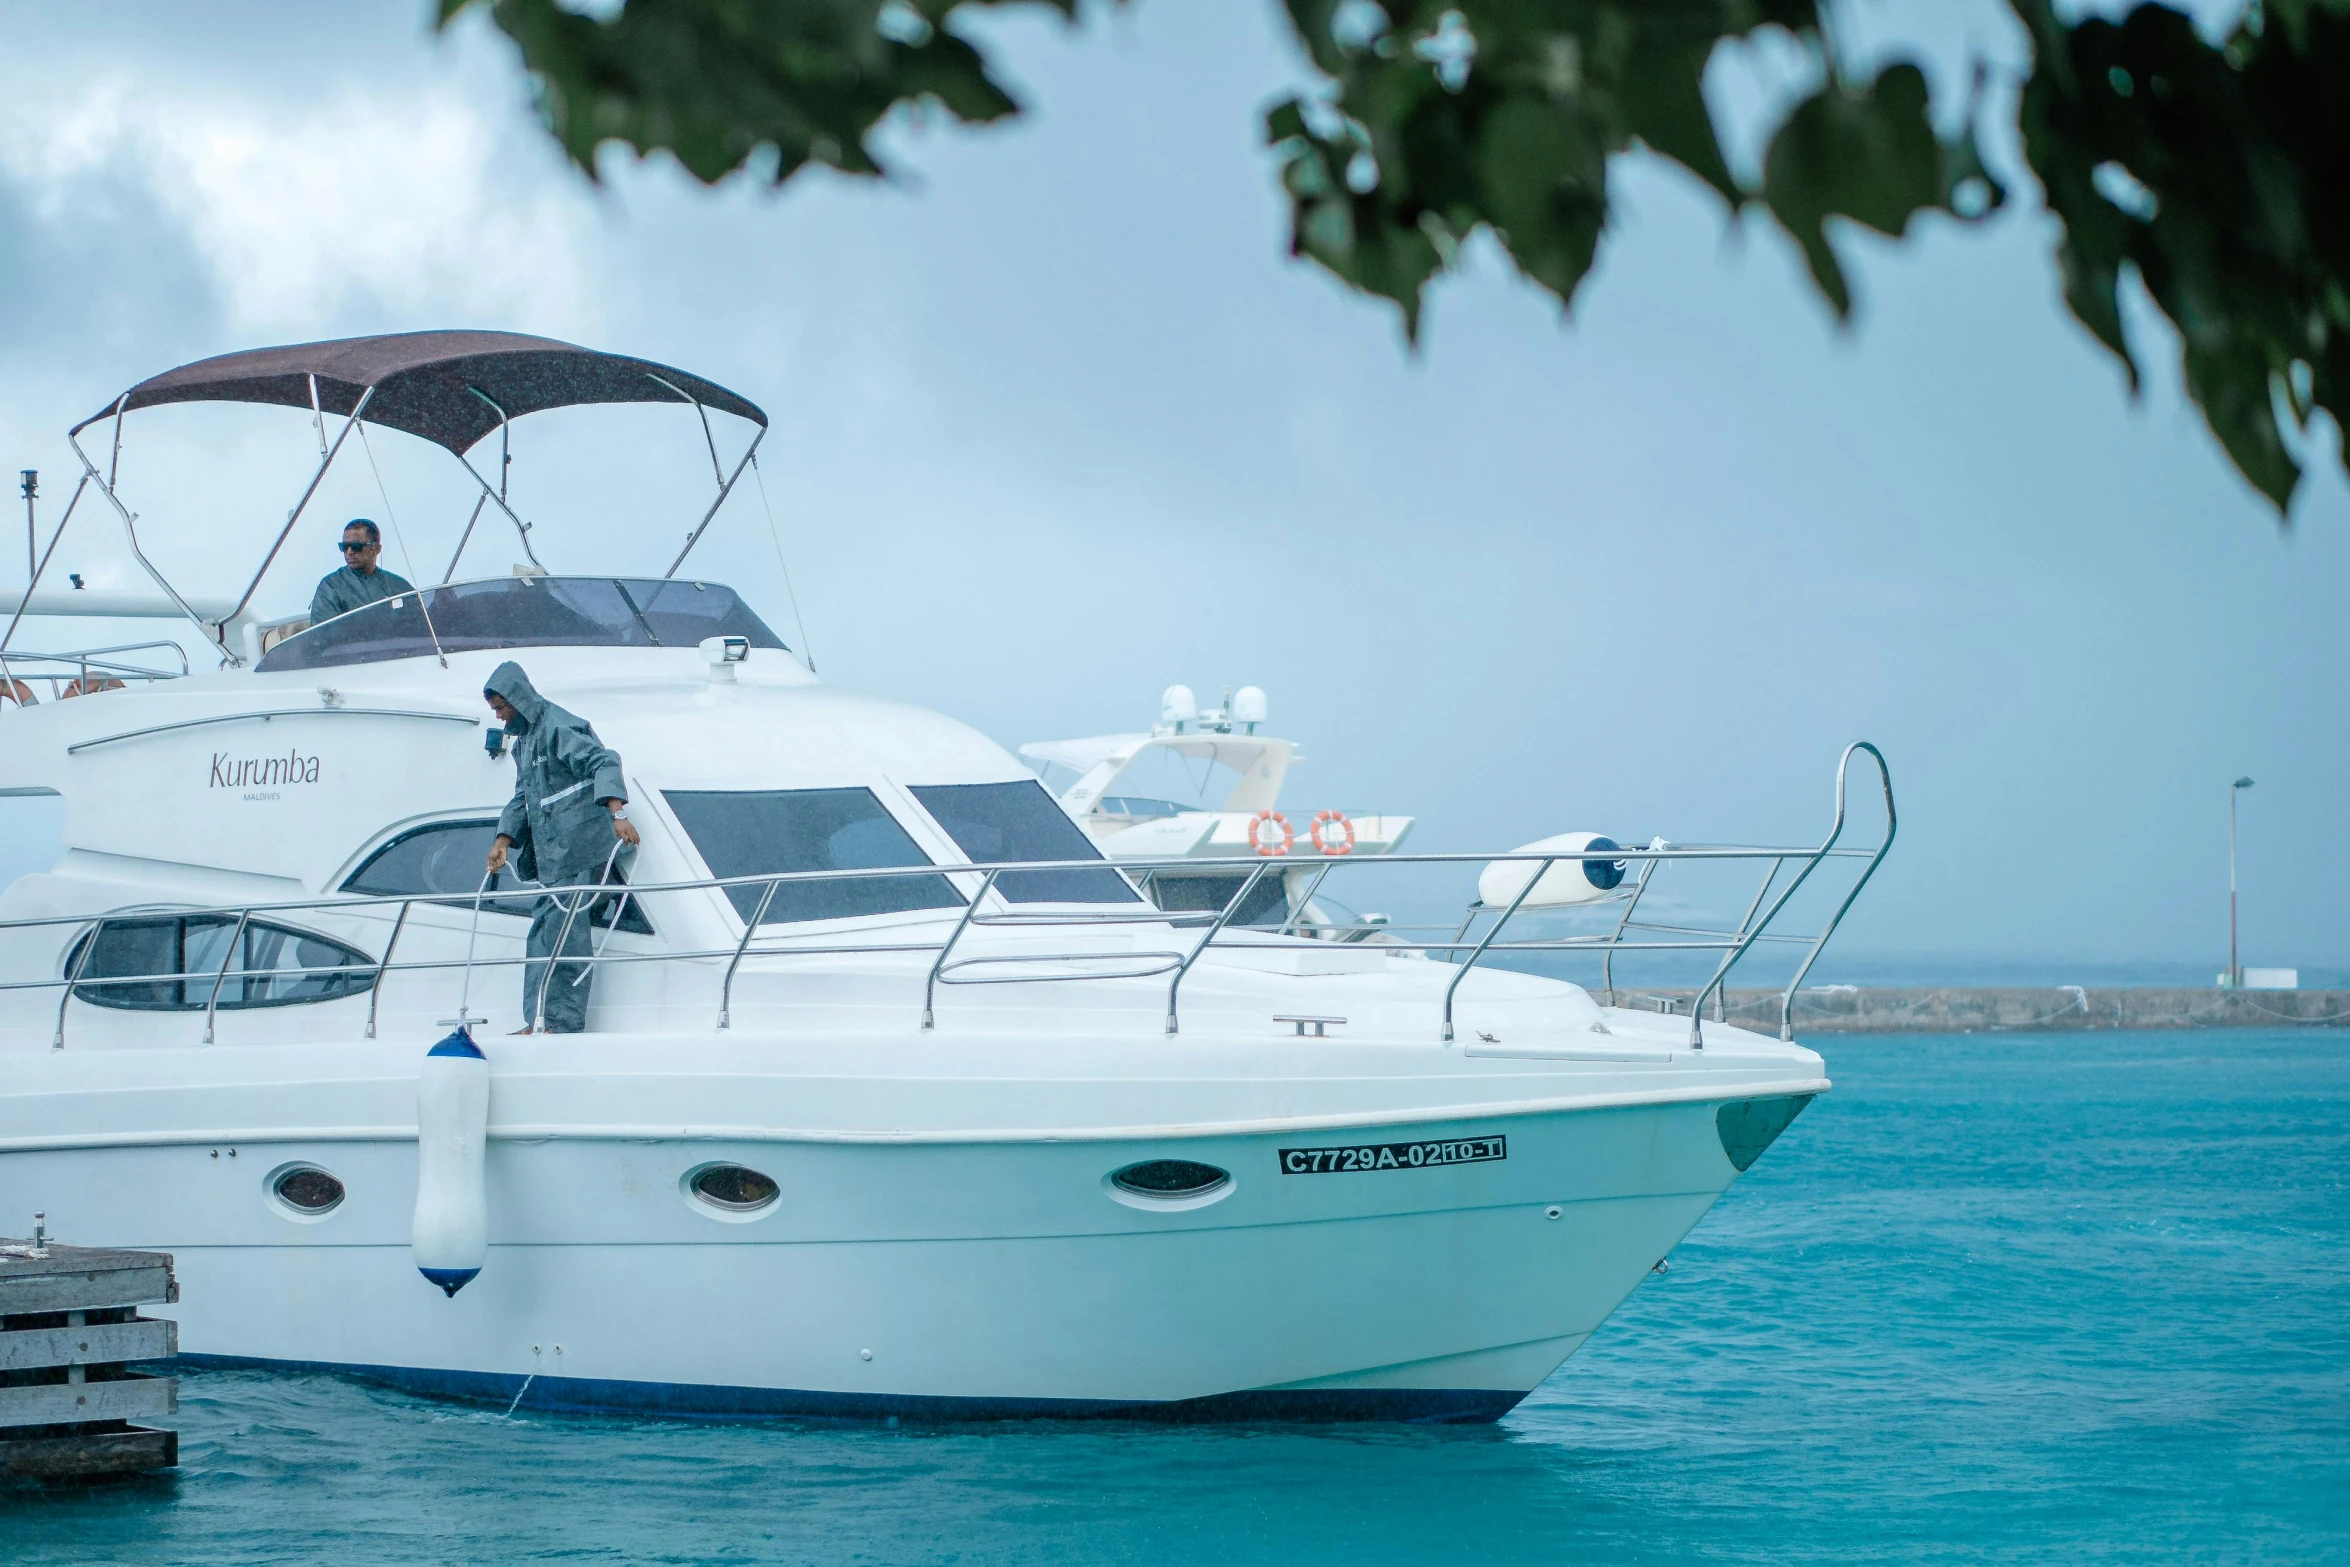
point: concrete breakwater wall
(1845, 1009)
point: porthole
(731, 1191)
(1170, 1178)
(304, 1191)
(1168, 1183)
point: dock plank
(88, 1454)
(66, 1403)
(82, 1278)
(142, 1338)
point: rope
(619, 912)
(2287, 1017)
(776, 539)
(401, 540)
(603, 878)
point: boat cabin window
(1268, 902)
(137, 963)
(1019, 821)
(1164, 775)
(517, 612)
(445, 859)
(758, 832)
(1139, 807)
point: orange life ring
(1256, 827)
(1324, 819)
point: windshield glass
(513, 612)
(1190, 783)
(1019, 821)
(756, 832)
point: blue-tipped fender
(451, 1237)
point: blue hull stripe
(706, 1401)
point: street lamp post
(2235, 968)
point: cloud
(359, 207)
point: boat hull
(933, 1280)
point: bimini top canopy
(451, 388)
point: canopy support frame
(326, 460)
(498, 496)
(214, 633)
(505, 472)
(724, 490)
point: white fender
(451, 1234)
(1565, 882)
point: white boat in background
(897, 1098)
(1119, 788)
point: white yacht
(1145, 799)
(896, 1097)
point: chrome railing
(1216, 927)
(85, 670)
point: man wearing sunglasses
(361, 581)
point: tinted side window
(445, 859)
(138, 964)
(1268, 904)
(128, 947)
(1019, 821)
(753, 832)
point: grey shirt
(340, 592)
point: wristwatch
(620, 815)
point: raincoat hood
(508, 681)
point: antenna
(32, 565)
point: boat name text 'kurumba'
(246, 771)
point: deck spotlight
(722, 654)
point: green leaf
(2237, 399)
(1663, 88)
(1870, 155)
(1545, 191)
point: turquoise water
(2077, 1298)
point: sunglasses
(350, 548)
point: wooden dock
(71, 1407)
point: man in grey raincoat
(569, 805)
(362, 580)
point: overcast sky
(1057, 422)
